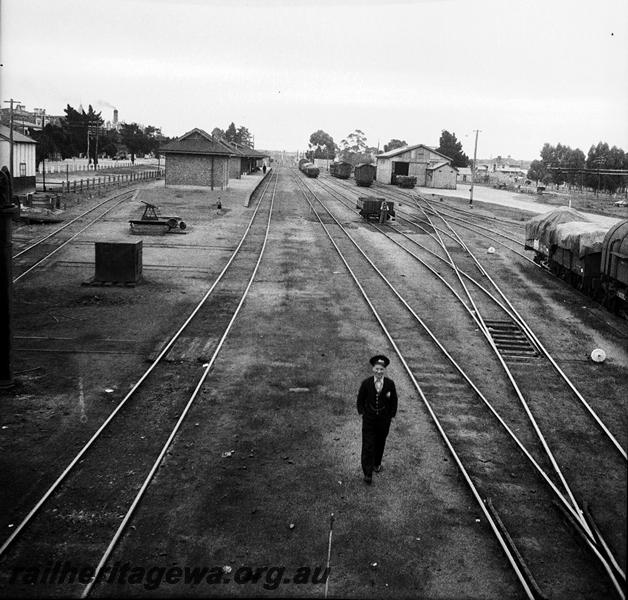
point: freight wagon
(308, 168)
(342, 170)
(364, 174)
(375, 209)
(591, 256)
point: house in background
(431, 168)
(464, 174)
(24, 160)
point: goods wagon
(614, 266)
(364, 174)
(375, 209)
(308, 168)
(405, 181)
(589, 255)
(342, 170)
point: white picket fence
(76, 165)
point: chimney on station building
(115, 117)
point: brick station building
(197, 160)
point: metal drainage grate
(510, 340)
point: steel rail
(117, 409)
(437, 256)
(530, 333)
(185, 411)
(466, 225)
(45, 258)
(387, 189)
(410, 220)
(587, 534)
(24, 250)
(519, 394)
(508, 308)
(397, 194)
(428, 406)
(474, 227)
(477, 219)
(583, 521)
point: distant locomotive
(308, 168)
(364, 174)
(342, 170)
(591, 256)
(375, 209)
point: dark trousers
(374, 433)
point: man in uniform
(377, 404)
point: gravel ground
(281, 396)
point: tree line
(560, 164)
(238, 135)
(82, 133)
(355, 149)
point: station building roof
(197, 141)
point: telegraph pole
(11, 101)
(88, 158)
(43, 149)
(475, 152)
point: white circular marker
(598, 355)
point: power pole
(88, 158)
(475, 152)
(96, 149)
(43, 150)
(11, 101)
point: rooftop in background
(5, 134)
(397, 151)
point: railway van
(364, 174)
(341, 170)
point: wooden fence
(97, 183)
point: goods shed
(197, 160)
(417, 161)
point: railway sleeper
(534, 587)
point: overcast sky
(524, 72)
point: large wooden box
(119, 261)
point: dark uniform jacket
(371, 403)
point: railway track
(471, 221)
(33, 255)
(506, 331)
(468, 220)
(464, 415)
(90, 506)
